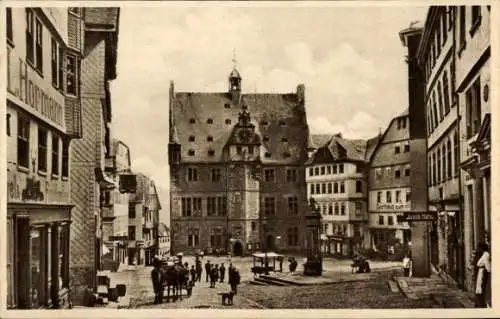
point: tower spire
(234, 59)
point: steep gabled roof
(340, 149)
(318, 140)
(279, 119)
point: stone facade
(236, 170)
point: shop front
(38, 233)
(38, 256)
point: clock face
(245, 136)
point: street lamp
(314, 262)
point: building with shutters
(43, 117)
(237, 175)
(143, 222)
(89, 181)
(163, 240)
(389, 193)
(336, 178)
(115, 206)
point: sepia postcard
(229, 159)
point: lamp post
(314, 262)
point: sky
(350, 60)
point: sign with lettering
(420, 216)
(23, 188)
(36, 93)
(396, 207)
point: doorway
(238, 249)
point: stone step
(393, 285)
(270, 281)
(257, 283)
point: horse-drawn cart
(263, 263)
(175, 277)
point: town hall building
(237, 170)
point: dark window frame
(23, 141)
(10, 33)
(55, 154)
(42, 149)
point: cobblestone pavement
(141, 294)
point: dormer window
(227, 105)
(192, 121)
(191, 152)
(228, 121)
(191, 138)
(267, 155)
(210, 139)
(284, 139)
(211, 153)
(210, 121)
(265, 139)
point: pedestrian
(482, 276)
(193, 274)
(407, 264)
(157, 282)
(199, 270)
(207, 269)
(234, 279)
(213, 276)
(222, 272)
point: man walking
(199, 270)
(208, 269)
(192, 271)
(222, 271)
(157, 282)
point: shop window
(55, 154)
(71, 75)
(42, 149)
(23, 144)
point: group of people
(214, 273)
(217, 273)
